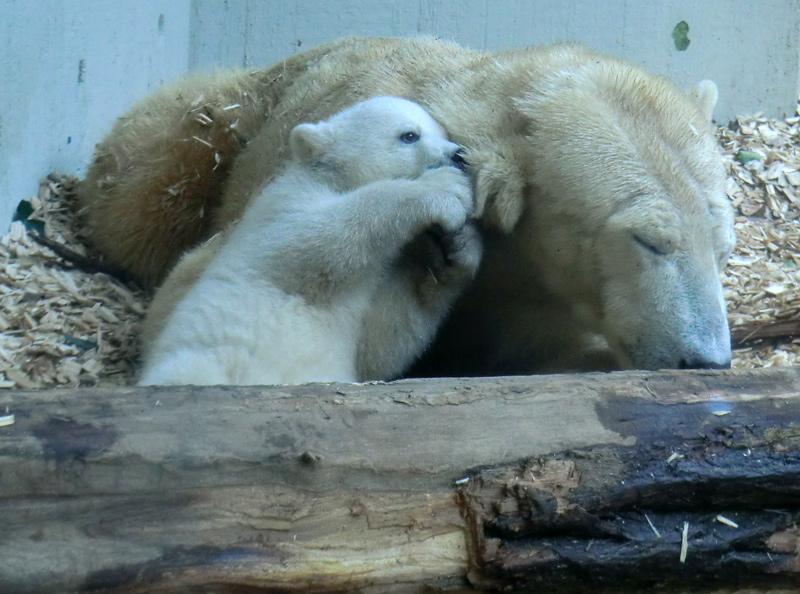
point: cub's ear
(706, 95)
(309, 142)
(499, 188)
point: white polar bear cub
(342, 267)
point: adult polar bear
(290, 298)
(602, 186)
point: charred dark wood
(615, 516)
(325, 488)
(755, 331)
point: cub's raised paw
(444, 184)
(462, 250)
(446, 259)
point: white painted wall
(53, 109)
(67, 69)
(749, 48)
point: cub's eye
(409, 137)
(649, 247)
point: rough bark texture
(324, 488)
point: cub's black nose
(458, 159)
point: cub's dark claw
(458, 159)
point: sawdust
(65, 325)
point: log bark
(549, 483)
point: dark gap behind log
(755, 331)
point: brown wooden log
(334, 488)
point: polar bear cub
(341, 268)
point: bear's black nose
(700, 362)
(458, 159)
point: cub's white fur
(341, 268)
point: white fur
(332, 274)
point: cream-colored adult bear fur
(602, 185)
(322, 251)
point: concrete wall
(69, 67)
(750, 49)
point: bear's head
(617, 197)
(379, 138)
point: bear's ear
(499, 188)
(706, 95)
(309, 142)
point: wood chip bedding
(763, 275)
(63, 324)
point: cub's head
(620, 204)
(379, 138)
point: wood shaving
(684, 542)
(63, 326)
(652, 526)
(723, 520)
(674, 456)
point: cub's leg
(183, 276)
(186, 366)
(414, 297)
(209, 336)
